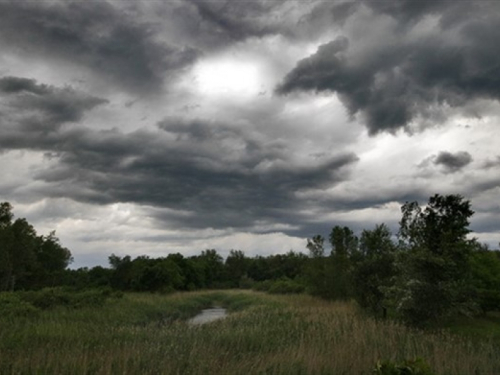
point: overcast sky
(150, 127)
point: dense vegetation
(27, 260)
(427, 273)
(147, 333)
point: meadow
(264, 334)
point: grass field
(264, 334)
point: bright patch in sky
(227, 77)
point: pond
(208, 315)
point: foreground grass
(264, 334)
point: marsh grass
(263, 334)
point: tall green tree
(317, 267)
(213, 266)
(435, 270)
(236, 265)
(27, 260)
(374, 268)
(339, 274)
(485, 266)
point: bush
(489, 300)
(11, 305)
(408, 367)
(53, 297)
(246, 282)
(286, 286)
(263, 286)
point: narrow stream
(208, 315)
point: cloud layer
(94, 34)
(426, 55)
(214, 174)
(148, 127)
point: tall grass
(264, 334)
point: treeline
(27, 260)
(430, 269)
(209, 270)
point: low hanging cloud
(453, 162)
(445, 56)
(28, 108)
(196, 173)
(95, 34)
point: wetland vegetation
(426, 299)
(263, 334)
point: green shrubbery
(25, 303)
(280, 286)
(11, 305)
(408, 367)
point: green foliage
(374, 268)
(485, 266)
(146, 274)
(408, 367)
(246, 282)
(331, 276)
(316, 268)
(49, 298)
(236, 266)
(339, 273)
(12, 305)
(343, 241)
(145, 333)
(262, 286)
(27, 260)
(286, 286)
(434, 278)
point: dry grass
(265, 335)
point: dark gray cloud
(203, 173)
(394, 81)
(453, 162)
(95, 34)
(210, 25)
(14, 85)
(28, 106)
(236, 20)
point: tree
(213, 266)
(27, 260)
(344, 242)
(374, 269)
(339, 273)
(434, 266)
(317, 267)
(192, 271)
(5, 215)
(52, 259)
(236, 266)
(485, 266)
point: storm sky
(151, 127)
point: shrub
(13, 306)
(286, 286)
(489, 300)
(263, 286)
(408, 367)
(53, 297)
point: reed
(264, 334)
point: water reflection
(208, 315)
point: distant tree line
(209, 270)
(427, 271)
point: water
(208, 315)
